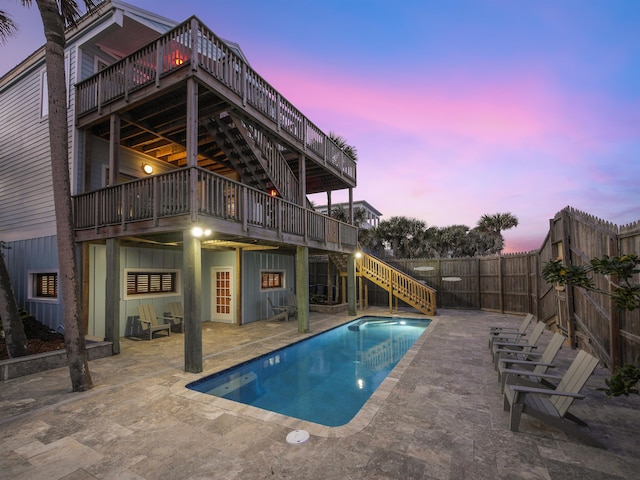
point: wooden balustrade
(169, 194)
(406, 288)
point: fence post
(500, 283)
(614, 316)
(568, 294)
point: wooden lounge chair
(551, 405)
(292, 303)
(520, 344)
(279, 313)
(177, 315)
(515, 370)
(149, 320)
(499, 332)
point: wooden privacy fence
(512, 284)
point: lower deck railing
(200, 193)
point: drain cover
(297, 436)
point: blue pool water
(324, 379)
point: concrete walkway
(438, 416)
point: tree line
(404, 237)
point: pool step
(233, 385)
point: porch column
(112, 295)
(351, 284)
(302, 178)
(351, 206)
(192, 289)
(192, 123)
(192, 145)
(302, 288)
(114, 148)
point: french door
(222, 296)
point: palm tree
(56, 16)
(342, 143)
(14, 335)
(495, 224)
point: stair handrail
(400, 283)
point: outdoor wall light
(358, 254)
(199, 232)
(146, 168)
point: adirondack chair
(516, 369)
(501, 332)
(292, 303)
(150, 321)
(279, 313)
(177, 315)
(520, 344)
(551, 405)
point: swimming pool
(325, 379)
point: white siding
(26, 195)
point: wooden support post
(390, 284)
(329, 281)
(614, 320)
(192, 144)
(112, 295)
(366, 295)
(302, 288)
(351, 284)
(568, 294)
(114, 148)
(238, 291)
(192, 292)
(501, 283)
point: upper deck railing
(177, 49)
(200, 194)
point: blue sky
(457, 108)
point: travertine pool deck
(438, 415)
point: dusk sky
(457, 108)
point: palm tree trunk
(14, 335)
(58, 139)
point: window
(145, 283)
(46, 285)
(43, 286)
(271, 280)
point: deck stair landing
(397, 283)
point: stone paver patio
(438, 415)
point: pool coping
(363, 418)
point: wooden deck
(189, 196)
(151, 84)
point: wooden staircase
(398, 284)
(254, 156)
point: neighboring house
(169, 129)
(373, 215)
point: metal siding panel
(36, 254)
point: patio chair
(149, 320)
(292, 303)
(279, 313)
(516, 370)
(499, 332)
(520, 344)
(177, 315)
(551, 405)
